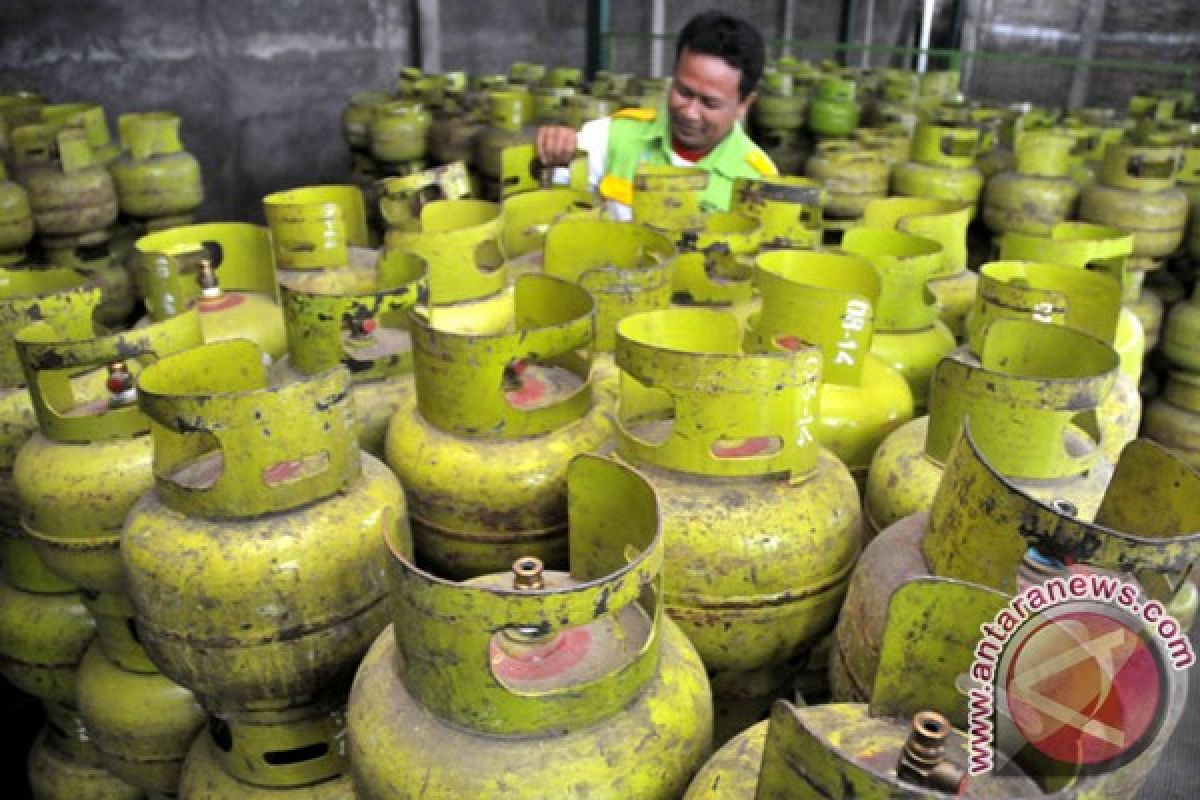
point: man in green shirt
(718, 64)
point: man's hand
(556, 145)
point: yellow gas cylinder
(999, 130)
(1081, 299)
(401, 198)
(1040, 194)
(44, 627)
(288, 755)
(92, 119)
(908, 334)
(398, 133)
(224, 271)
(828, 301)
(546, 683)
(521, 171)
(17, 108)
(281, 518)
(942, 165)
(528, 217)
(77, 477)
(580, 109)
(945, 222)
(892, 143)
(627, 268)
(853, 175)
(716, 279)
(761, 524)
(669, 197)
(70, 192)
(980, 530)
(789, 210)
(549, 104)
(483, 450)
(157, 180)
(16, 220)
(1189, 182)
(1173, 419)
(354, 317)
(27, 296)
(1136, 193)
(343, 303)
(1181, 339)
(1099, 248)
(909, 742)
(1023, 403)
(455, 127)
(141, 722)
(509, 115)
(781, 103)
(459, 243)
(64, 765)
(356, 119)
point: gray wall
(261, 83)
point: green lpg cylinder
(781, 103)
(27, 296)
(483, 449)
(1064, 295)
(282, 519)
(16, 220)
(980, 530)
(945, 222)
(64, 765)
(94, 122)
(1023, 403)
(760, 523)
(510, 115)
(1136, 193)
(1173, 419)
(580, 109)
(853, 175)
(17, 108)
(398, 133)
(528, 217)
(627, 268)
(70, 192)
(1189, 182)
(77, 477)
(157, 180)
(907, 743)
(547, 683)
(789, 210)
(908, 334)
(1040, 194)
(1181, 335)
(298, 754)
(716, 279)
(828, 301)
(353, 316)
(141, 722)
(942, 165)
(224, 271)
(1098, 248)
(74, 204)
(459, 242)
(834, 109)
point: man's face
(703, 102)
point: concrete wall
(261, 83)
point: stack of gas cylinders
(444, 484)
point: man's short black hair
(730, 38)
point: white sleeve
(593, 140)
